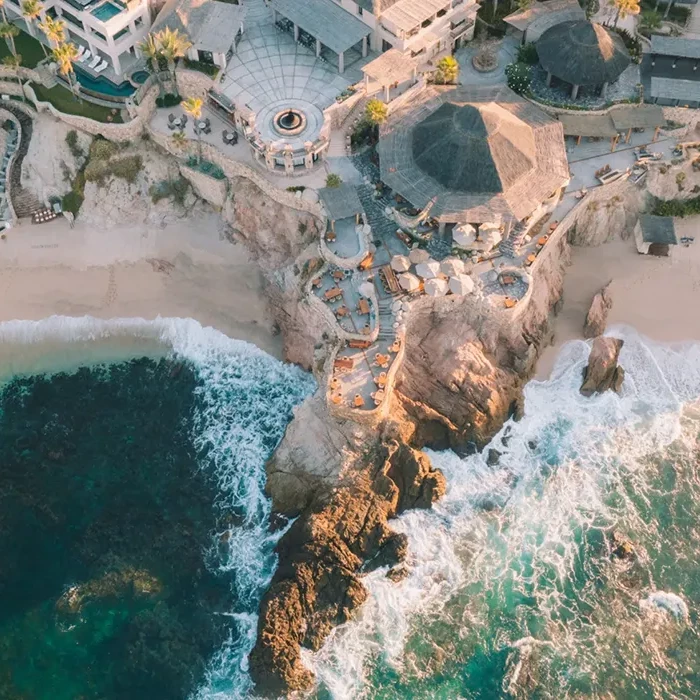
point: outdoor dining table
(358, 401)
(201, 125)
(177, 122)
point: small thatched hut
(582, 53)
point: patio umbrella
(396, 306)
(464, 235)
(461, 285)
(491, 237)
(436, 288)
(400, 263)
(489, 225)
(409, 282)
(452, 267)
(366, 289)
(418, 255)
(428, 270)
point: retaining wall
(212, 190)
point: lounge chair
(81, 50)
(85, 57)
(95, 61)
(225, 136)
(103, 66)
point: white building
(110, 29)
(423, 28)
(213, 28)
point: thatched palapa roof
(582, 124)
(340, 202)
(640, 116)
(582, 53)
(540, 16)
(480, 152)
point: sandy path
(185, 270)
(660, 297)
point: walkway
(270, 66)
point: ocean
(567, 570)
(134, 527)
(135, 540)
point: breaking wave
(245, 401)
(518, 586)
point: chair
(207, 121)
(183, 121)
(94, 62)
(103, 66)
(171, 118)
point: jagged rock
(597, 317)
(493, 457)
(316, 585)
(622, 548)
(398, 573)
(602, 372)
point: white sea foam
(245, 399)
(513, 532)
(669, 602)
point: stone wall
(212, 190)
(337, 113)
(25, 74)
(234, 168)
(193, 83)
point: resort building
(213, 28)
(670, 71)
(344, 31)
(472, 155)
(110, 30)
(584, 55)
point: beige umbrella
(452, 267)
(418, 255)
(491, 237)
(464, 235)
(428, 270)
(436, 287)
(366, 289)
(461, 285)
(400, 263)
(409, 282)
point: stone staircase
(510, 247)
(24, 202)
(374, 209)
(385, 318)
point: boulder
(602, 372)
(597, 317)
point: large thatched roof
(582, 53)
(479, 152)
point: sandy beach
(185, 269)
(656, 296)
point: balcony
(459, 29)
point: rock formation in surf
(602, 372)
(597, 317)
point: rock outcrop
(607, 213)
(317, 585)
(597, 317)
(602, 372)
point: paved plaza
(271, 69)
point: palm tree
(624, 8)
(447, 70)
(149, 48)
(376, 112)
(193, 107)
(66, 55)
(15, 61)
(31, 11)
(54, 30)
(179, 139)
(2, 11)
(171, 46)
(8, 32)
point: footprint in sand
(111, 294)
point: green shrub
(527, 53)
(127, 168)
(676, 207)
(296, 188)
(168, 100)
(334, 180)
(72, 202)
(519, 77)
(174, 189)
(632, 43)
(207, 68)
(101, 149)
(73, 145)
(97, 170)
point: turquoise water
(105, 12)
(513, 590)
(139, 76)
(133, 520)
(100, 84)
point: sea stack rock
(597, 317)
(603, 372)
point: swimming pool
(102, 85)
(106, 12)
(139, 77)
